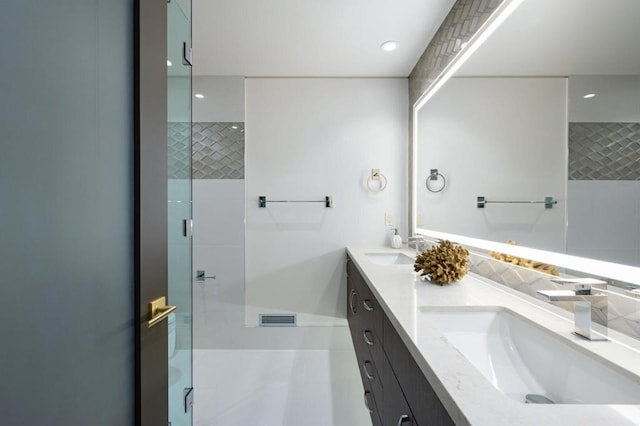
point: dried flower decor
(444, 263)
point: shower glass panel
(179, 212)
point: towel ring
(434, 177)
(379, 177)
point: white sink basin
(389, 258)
(521, 358)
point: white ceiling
(312, 38)
(563, 37)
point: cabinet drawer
(371, 405)
(396, 408)
(371, 376)
(371, 310)
(372, 343)
(425, 404)
(368, 327)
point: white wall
(307, 138)
(223, 99)
(178, 94)
(617, 99)
(604, 220)
(504, 139)
(218, 215)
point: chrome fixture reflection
(417, 241)
(548, 202)
(433, 177)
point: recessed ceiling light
(169, 63)
(234, 127)
(589, 95)
(389, 46)
(199, 95)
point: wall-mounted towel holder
(376, 177)
(262, 201)
(548, 202)
(433, 177)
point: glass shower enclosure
(179, 211)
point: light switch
(388, 219)
(419, 219)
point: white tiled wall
(603, 219)
(178, 267)
(218, 249)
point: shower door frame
(150, 217)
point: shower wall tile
(604, 151)
(218, 150)
(218, 212)
(178, 154)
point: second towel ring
(376, 176)
(434, 177)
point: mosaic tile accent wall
(178, 156)
(217, 151)
(604, 151)
(458, 27)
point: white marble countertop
(467, 395)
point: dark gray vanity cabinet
(395, 390)
(364, 335)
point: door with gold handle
(159, 310)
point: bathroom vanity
(435, 355)
(396, 392)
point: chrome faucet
(584, 301)
(417, 241)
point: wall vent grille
(278, 320)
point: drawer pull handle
(366, 401)
(366, 339)
(367, 305)
(403, 418)
(366, 371)
(351, 306)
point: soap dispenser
(396, 239)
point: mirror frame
(616, 271)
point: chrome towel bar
(262, 201)
(548, 202)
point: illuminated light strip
(491, 24)
(600, 268)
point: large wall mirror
(543, 123)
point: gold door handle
(159, 310)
